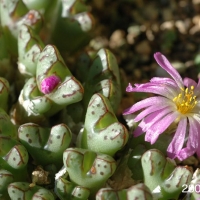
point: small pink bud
(49, 83)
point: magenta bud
(49, 83)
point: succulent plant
(162, 176)
(60, 133)
(13, 163)
(139, 191)
(30, 46)
(102, 132)
(51, 90)
(87, 168)
(45, 145)
(66, 189)
(22, 190)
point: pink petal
(197, 88)
(194, 131)
(145, 103)
(165, 64)
(159, 127)
(149, 110)
(193, 140)
(198, 149)
(138, 131)
(188, 82)
(161, 89)
(166, 81)
(185, 153)
(178, 139)
(153, 118)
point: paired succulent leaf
(45, 145)
(68, 190)
(73, 26)
(53, 88)
(13, 15)
(13, 157)
(87, 168)
(102, 132)
(193, 187)
(99, 75)
(22, 190)
(139, 191)
(162, 176)
(29, 48)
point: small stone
(117, 39)
(143, 47)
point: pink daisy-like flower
(177, 101)
(49, 83)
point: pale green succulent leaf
(138, 191)
(22, 190)
(102, 131)
(45, 145)
(98, 172)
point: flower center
(186, 100)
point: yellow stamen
(186, 100)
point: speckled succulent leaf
(45, 146)
(106, 63)
(65, 92)
(57, 95)
(29, 48)
(22, 190)
(13, 15)
(102, 131)
(72, 7)
(13, 157)
(6, 178)
(194, 186)
(51, 62)
(162, 176)
(32, 100)
(139, 191)
(4, 93)
(31, 105)
(103, 77)
(32, 18)
(88, 169)
(73, 26)
(12, 154)
(66, 189)
(111, 90)
(11, 10)
(6, 126)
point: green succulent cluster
(60, 137)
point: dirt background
(135, 29)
